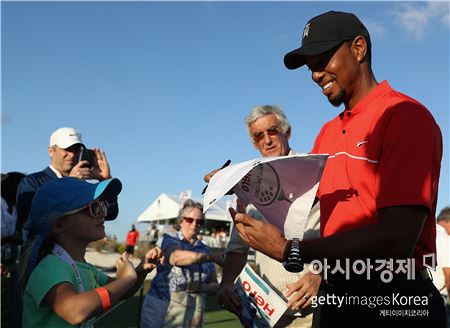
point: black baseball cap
(324, 32)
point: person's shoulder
(51, 259)
(170, 237)
(410, 112)
(170, 241)
(395, 106)
(37, 179)
(399, 101)
(200, 245)
(49, 263)
(45, 172)
(51, 270)
(395, 94)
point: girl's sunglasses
(97, 208)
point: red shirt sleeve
(410, 159)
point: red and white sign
(269, 304)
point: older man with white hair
(270, 131)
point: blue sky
(164, 87)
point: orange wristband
(104, 297)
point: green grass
(220, 319)
(126, 315)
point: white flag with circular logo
(281, 188)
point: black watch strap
(294, 263)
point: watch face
(293, 266)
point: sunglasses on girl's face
(98, 208)
(190, 220)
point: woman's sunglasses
(190, 220)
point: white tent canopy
(166, 207)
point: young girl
(63, 290)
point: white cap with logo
(65, 137)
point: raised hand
(82, 171)
(101, 169)
(125, 269)
(152, 257)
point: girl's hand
(125, 269)
(152, 257)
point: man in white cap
(64, 149)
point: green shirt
(50, 272)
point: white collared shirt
(59, 175)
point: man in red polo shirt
(132, 238)
(378, 191)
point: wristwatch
(294, 263)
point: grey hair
(190, 204)
(444, 215)
(260, 111)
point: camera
(88, 155)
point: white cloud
(417, 18)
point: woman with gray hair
(178, 292)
